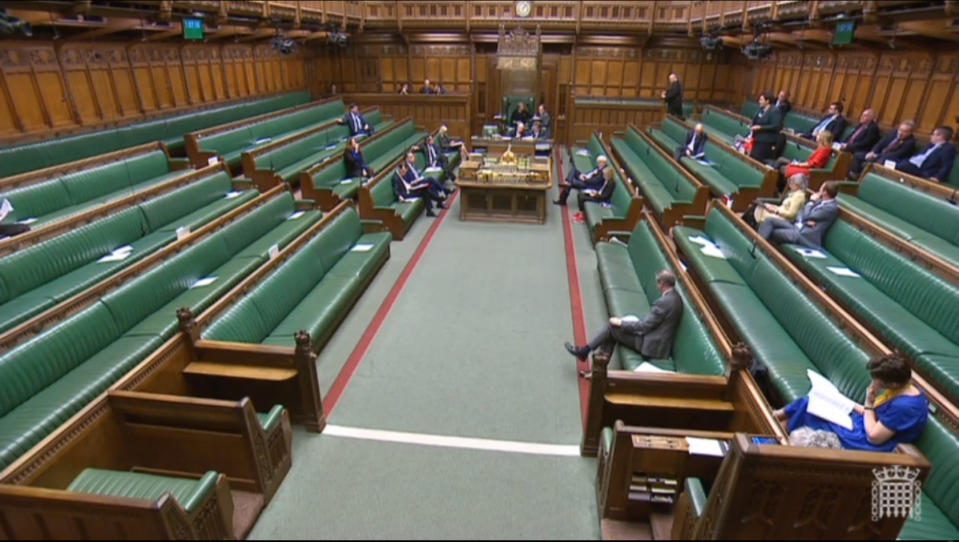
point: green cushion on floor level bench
(189, 493)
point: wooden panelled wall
(921, 86)
(48, 88)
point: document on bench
(843, 271)
(5, 208)
(346, 181)
(811, 253)
(700, 240)
(647, 367)
(182, 232)
(203, 282)
(295, 215)
(233, 193)
(361, 247)
(263, 140)
(118, 254)
(827, 403)
(27, 221)
(712, 250)
(704, 446)
(583, 152)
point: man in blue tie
(356, 122)
(833, 122)
(935, 162)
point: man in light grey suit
(652, 335)
(812, 222)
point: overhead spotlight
(709, 43)
(12, 25)
(336, 37)
(755, 50)
(286, 46)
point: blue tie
(822, 125)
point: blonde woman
(791, 204)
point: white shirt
(918, 159)
(822, 125)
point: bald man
(695, 146)
(865, 135)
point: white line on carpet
(451, 442)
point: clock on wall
(523, 8)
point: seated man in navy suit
(695, 146)
(407, 188)
(435, 157)
(894, 147)
(416, 176)
(812, 222)
(935, 162)
(356, 122)
(581, 181)
(833, 122)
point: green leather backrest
(337, 238)
(794, 151)
(924, 294)
(736, 247)
(33, 365)
(634, 141)
(168, 207)
(382, 192)
(940, 445)
(510, 102)
(230, 140)
(96, 182)
(749, 109)
(693, 348)
(37, 200)
(676, 183)
(254, 225)
(279, 294)
(801, 123)
(595, 147)
(930, 213)
(386, 143)
(22, 158)
(38, 264)
(727, 126)
(240, 323)
(674, 130)
(331, 175)
(739, 172)
(147, 166)
(622, 198)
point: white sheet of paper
(699, 239)
(203, 282)
(232, 194)
(583, 152)
(843, 271)
(263, 140)
(182, 232)
(346, 181)
(273, 251)
(811, 253)
(712, 250)
(542, 146)
(827, 403)
(647, 367)
(212, 160)
(433, 170)
(361, 247)
(5, 208)
(30, 220)
(837, 146)
(117, 254)
(889, 164)
(295, 215)
(704, 446)
(629, 319)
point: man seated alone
(812, 222)
(356, 122)
(935, 162)
(650, 336)
(695, 146)
(575, 179)
(406, 190)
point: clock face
(523, 8)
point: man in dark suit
(812, 222)
(894, 147)
(545, 120)
(673, 96)
(575, 179)
(782, 104)
(651, 336)
(695, 146)
(406, 190)
(537, 132)
(435, 157)
(833, 122)
(416, 177)
(519, 119)
(936, 160)
(865, 136)
(356, 122)
(765, 129)
(427, 87)
(354, 162)
(601, 195)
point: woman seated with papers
(897, 415)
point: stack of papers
(27, 221)
(843, 271)
(361, 247)
(704, 446)
(117, 254)
(827, 403)
(583, 152)
(811, 253)
(233, 193)
(295, 215)
(713, 250)
(203, 282)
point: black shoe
(558, 202)
(579, 351)
(430, 213)
(441, 205)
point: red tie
(890, 146)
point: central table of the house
(505, 188)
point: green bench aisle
(51, 376)
(46, 201)
(377, 201)
(789, 334)
(230, 144)
(917, 310)
(623, 211)
(40, 276)
(628, 275)
(669, 190)
(170, 130)
(328, 184)
(731, 173)
(925, 220)
(283, 160)
(313, 290)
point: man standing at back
(651, 336)
(673, 96)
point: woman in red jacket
(816, 160)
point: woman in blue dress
(897, 415)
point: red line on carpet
(575, 296)
(343, 378)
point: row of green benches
(170, 130)
(45, 274)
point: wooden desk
(484, 197)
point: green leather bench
(169, 129)
(688, 107)
(666, 189)
(915, 309)
(722, 126)
(77, 191)
(311, 291)
(55, 373)
(230, 144)
(42, 275)
(622, 212)
(329, 185)
(730, 173)
(924, 220)
(288, 159)
(789, 333)
(378, 201)
(189, 493)
(628, 275)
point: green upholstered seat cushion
(168, 207)
(361, 263)
(319, 309)
(37, 200)
(409, 210)
(596, 212)
(211, 211)
(22, 308)
(616, 268)
(709, 268)
(282, 234)
(932, 523)
(718, 182)
(188, 492)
